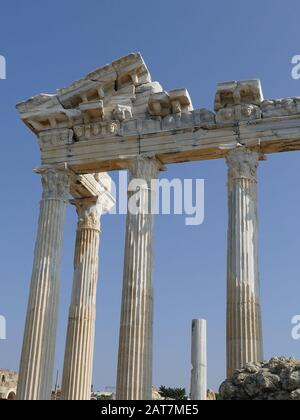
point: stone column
(134, 381)
(37, 359)
(78, 364)
(199, 361)
(244, 327)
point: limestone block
(232, 114)
(56, 137)
(95, 85)
(238, 93)
(129, 127)
(204, 117)
(280, 107)
(159, 104)
(122, 113)
(143, 93)
(131, 69)
(178, 121)
(148, 88)
(151, 125)
(180, 101)
(92, 110)
(44, 112)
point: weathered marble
(238, 101)
(78, 363)
(199, 361)
(244, 328)
(106, 121)
(134, 379)
(280, 107)
(234, 114)
(37, 359)
(238, 93)
(8, 384)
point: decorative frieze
(280, 107)
(233, 114)
(96, 130)
(56, 137)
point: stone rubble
(276, 380)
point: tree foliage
(173, 393)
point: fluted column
(134, 381)
(37, 359)
(244, 327)
(78, 364)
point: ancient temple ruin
(8, 384)
(117, 118)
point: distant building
(8, 384)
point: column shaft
(244, 327)
(134, 380)
(78, 363)
(199, 361)
(37, 359)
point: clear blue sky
(193, 44)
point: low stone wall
(276, 380)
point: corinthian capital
(242, 164)
(56, 183)
(145, 167)
(89, 211)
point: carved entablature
(113, 100)
(232, 114)
(280, 107)
(137, 127)
(105, 94)
(96, 130)
(175, 102)
(120, 100)
(238, 93)
(56, 137)
(238, 101)
(45, 112)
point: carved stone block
(238, 93)
(122, 113)
(280, 107)
(232, 114)
(159, 104)
(180, 101)
(131, 69)
(56, 137)
(204, 117)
